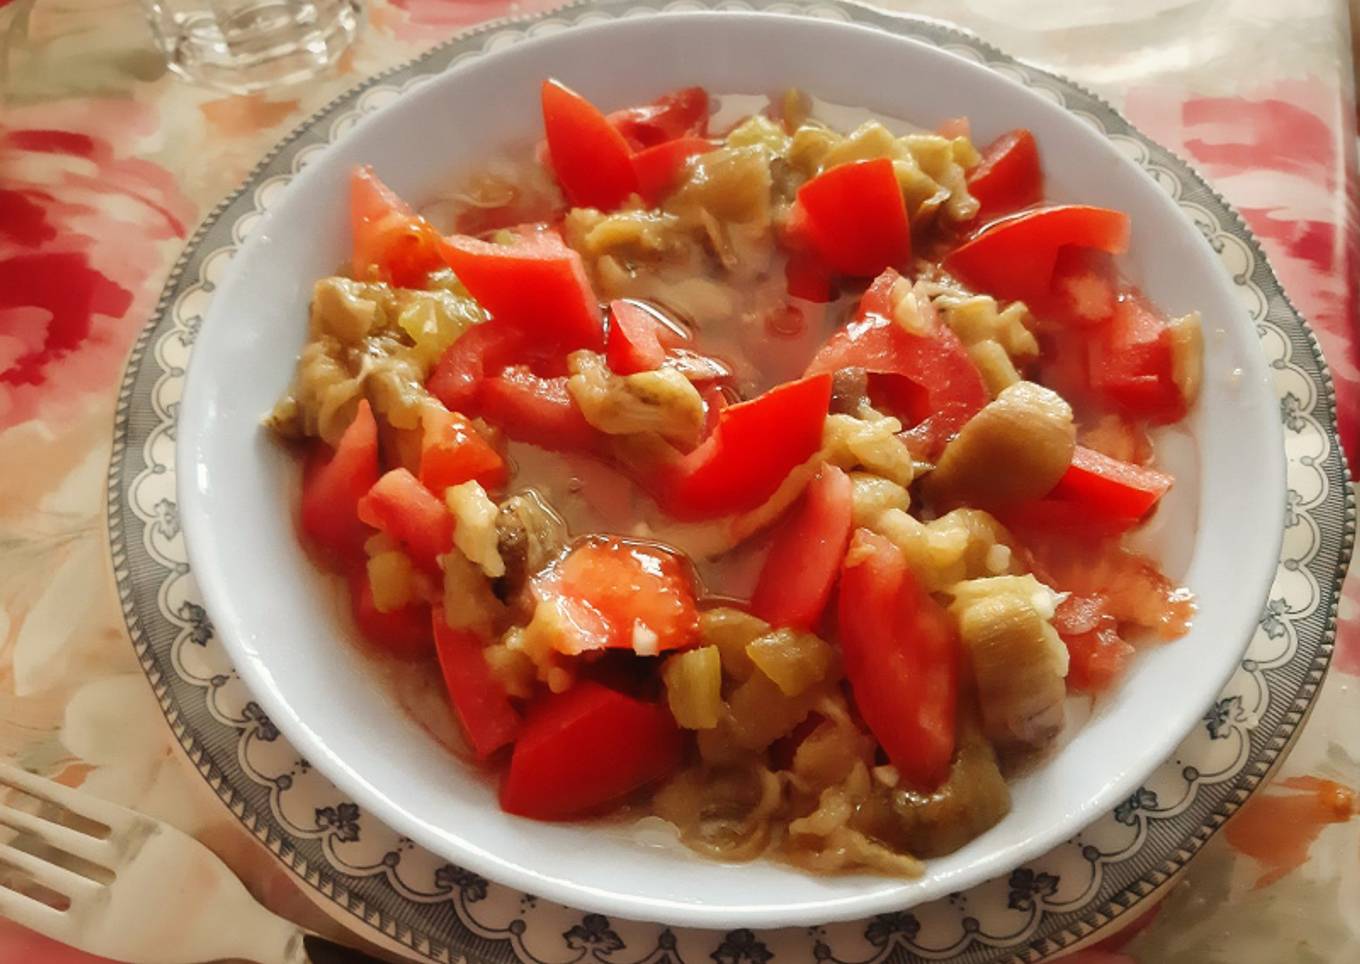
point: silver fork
(141, 877)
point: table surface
(107, 163)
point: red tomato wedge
(408, 512)
(582, 750)
(681, 113)
(391, 242)
(480, 351)
(404, 633)
(619, 594)
(537, 410)
(479, 700)
(937, 362)
(1008, 177)
(855, 218)
(590, 158)
(453, 452)
(752, 449)
(537, 285)
(1131, 364)
(332, 485)
(902, 659)
(637, 339)
(1014, 258)
(806, 554)
(657, 169)
(1119, 492)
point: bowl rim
(261, 684)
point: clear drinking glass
(246, 45)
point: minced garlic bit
(645, 640)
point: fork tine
(33, 914)
(62, 838)
(82, 804)
(51, 876)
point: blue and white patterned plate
(409, 897)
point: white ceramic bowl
(1220, 531)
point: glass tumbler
(247, 45)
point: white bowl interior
(279, 622)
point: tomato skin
(855, 218)
(582, 750)
(332, 485)
(537, 410)
(902, 658)
(391, 241)
(479, 700)
(453, 452)
(658, 168)
(408, 512)
(537, 285)
(938, 362)
(610, 585)
(806, 554)
(1008, 177)
(637, 339)
(404, 633)
(752, 449)
(678, 114)
(1118, 491)
(589, 157)
(1014, 258)
(1131, 364)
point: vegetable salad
(774, 481)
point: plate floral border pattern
(445, 913)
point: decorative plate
(413, 899)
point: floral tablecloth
(107, 163)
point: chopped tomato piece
(936, 360)
(1008, 177)
(637, 339)
(681, 113)
(1059, 516)
(1118, 491)
(481, 351)
(453, 452)
(590, 158)
(334, 482)
(901, 656)
(582, 750)
(408, 512)
(752, 449)
(1097, 655)
(806, 554)
(807, 278)
(952, 127)
(1084, 288)
(391, 242)
(855, 218)
(541, 411)
(623, 595)
(1131, 362)
(404, 632)
(479, 700)
(1014, 258)
(537, 285)
(657, 169)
